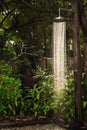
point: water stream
(59, 54)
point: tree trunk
(77, 63)
(83, 23)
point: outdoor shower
(59, 52)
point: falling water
(59, 43)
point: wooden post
(77, 63)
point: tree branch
(26, 3)
(29, 22)
(9, 12)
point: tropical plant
(66, 100)
(84, 93)
(41, 99)
(10, 91)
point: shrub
(66, 100)
(10, 91)
(84, 90)
(41, 99)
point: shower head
(59, 19)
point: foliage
(84, 90)
(41, 99)
(66, 100)
(10, 91)
(29, 23)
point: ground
(30, 123)
(51, 126)
(39, 123)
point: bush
(10, 91)
(66, 100)
(41, 99)
(84, 90)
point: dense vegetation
(26, 84)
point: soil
(40, 123)
(51, 126)
(30, 123)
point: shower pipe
(59, 10)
